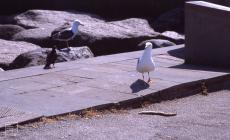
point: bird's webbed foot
(150, 81)
(47, 67)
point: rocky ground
(23, 36)
(198, 117)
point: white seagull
(66, 34)
(145, 62)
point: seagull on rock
(66, 34)
(145, 62)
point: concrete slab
(207, 30)
(101, 81)
(123, 67)
(25, 85)
(50, 103)
(92, 92)
(11, 116)
(82, 73)
(182, 76)
(56, 79)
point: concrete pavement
(198, 117)
(98, 82)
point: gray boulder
(38, 36)
(7, 31)
(102, 37)
(9, 50)
(52, 19)
(38, 57)
(173, 37)
(157, 43)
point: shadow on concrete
(139, 85)
(199, 67)
(179, 53)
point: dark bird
(66, 34)
(51, 58)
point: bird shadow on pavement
(139, 85)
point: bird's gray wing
(63, 35)
(66, 34)
(59, 29)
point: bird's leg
(143, 76)
(149, 81)
(67, 43)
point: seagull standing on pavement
(66, 34)
(145, 62)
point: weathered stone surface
(48, 18)
(207, 31)
(8, 30)
(9, 50)
(102, 37)
(38, 57)
(174, 37)
(157, 43)
(38, 36)
(172, 20)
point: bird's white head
(148, 45)
(77, 22)
(75, 25)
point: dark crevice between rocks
(116, 45)
(172, 20)
(106, 8)
(4, 66)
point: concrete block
(207, 29)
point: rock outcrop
(9, 50)
(38, 56)
(173, 37)
(157, 43)
(8, 30)
(102, 37)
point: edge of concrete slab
(179, 91)
(174, 92)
